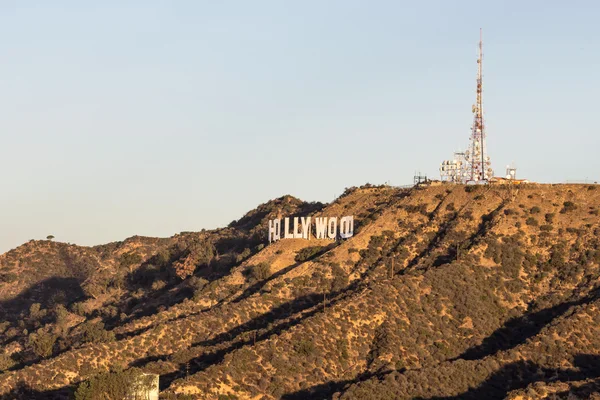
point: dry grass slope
(443, 292)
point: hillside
(443, 292)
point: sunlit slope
(441, 291)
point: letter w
(321, 227)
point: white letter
(274, 230)
(321, 227)
(332, 228)
(347, 227)
(306, 228)
(287, 234)
(297, 233)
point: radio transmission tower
(478, 166)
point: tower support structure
(473, 165)
(478, 165)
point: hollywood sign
(324, 228)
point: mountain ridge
(431, 281)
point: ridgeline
(443, 292)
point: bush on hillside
(114, 385)
(6, 362)
(94, 332)
(128, 260)
(41, 343)
(340, 278)
(305, 347)
(531, 221)
(260, 272)
(567, 207)
(8, 277)
(308, 253)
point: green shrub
(305, 347)
(260, 272)
(549, 217)
(227, 397)
(130, 259)
(309, 253)
(79, 308)
(568, 206)
(41, 343)
(340, 278)
(414, 208)
(94, 332)
(8, 277)
(114, 385)
(243, 255)
(535, 210)
(6, 362)
(531, 221)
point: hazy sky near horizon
(156, 117)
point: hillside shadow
(325, 390)
(517, 330)
(24, 392)
(175, 289)
(466, 244)
(585, 391)
(47, 293)
(264, 327)
(513, 376)
(274, 322)
(439, 236)
(519, 375)
(256, 287)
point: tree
(36, 313)
(50, 237)
(132, 383)
(94, 332)
(41, 343)
(260, 272)
(6, 362)
(129, 260)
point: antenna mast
(478, 163)
(473, 165)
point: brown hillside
(443, 292)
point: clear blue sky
(155, 117)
